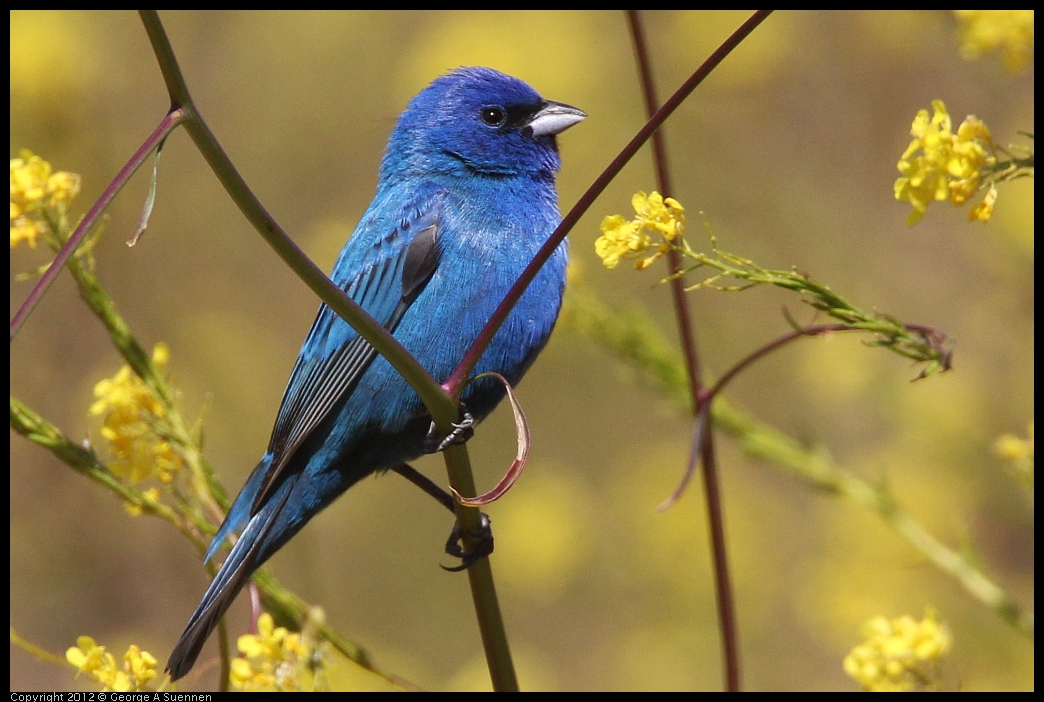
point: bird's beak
(554, 118)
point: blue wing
(384, 267)
(324, 377)
(390, 270)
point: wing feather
(323, 378)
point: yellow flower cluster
(1011, 31)
(35, 188)
(899, 655)
(941, 165)
(132, 416)
(275, 659)
(139, 667)
(622, 238)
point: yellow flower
(1011, 31)
(899, 655)
(35, 188)
(132, 414)
(87, 655)
(984, 209)
(654, 215)
(25, 229)
(620, 239)
(245, 676)
(139, 667)
(940, 165)
(275, 659)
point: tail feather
(242, 561)
(240, 509)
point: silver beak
(554, 118)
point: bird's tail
(239, 512)
(242, 561)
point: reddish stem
(704, 436)
(454, 383)
(169, 122)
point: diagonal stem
(442, 407)
(471, 358)
(167, 125)
(455, 382)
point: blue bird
(466, 197)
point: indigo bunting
(466, 197)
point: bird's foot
(483, 545)
(460, 434)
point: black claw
(460, 434)
(483, 547)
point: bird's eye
(493, 116)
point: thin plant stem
(284, 605)
(167, 125)
(440, 401)
(480, 576)
(702, 424)
(811, 330)
(635, 341)
(441, 404)
(715, 514)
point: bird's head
(481, 121)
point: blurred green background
(790, 150)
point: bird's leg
(426, 484)
(460, 434)
(454, 544)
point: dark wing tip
(181, 660)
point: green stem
(633, 339)
(439, 404)
(480, 576)
(442, 406)
(283, 604)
